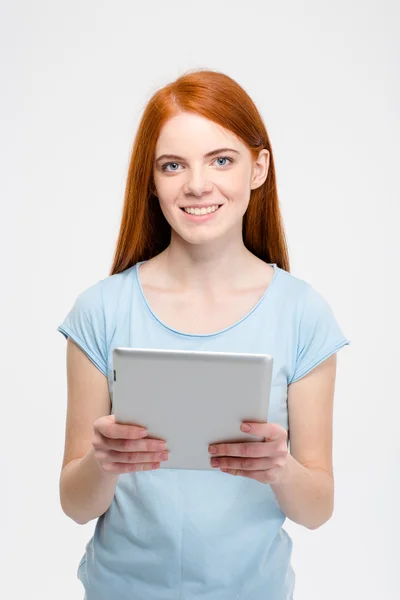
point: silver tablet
(191, 399)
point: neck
(218, 265)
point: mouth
(198, 214)
(200, 211)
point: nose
(197, 183)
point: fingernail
(213, 450)
(245, 427)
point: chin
(197, 238)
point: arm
(303, 480)
(86, 491)
(305, 491)
(305, 495)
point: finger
(249, 449)
(133, 457)
(127, 445)
(270, 431)
(246, 464)
(109, 428)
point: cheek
(167, 209)
(167, 195)
(168, 192)
(236, 184)
(237, 191)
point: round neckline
(203, 335)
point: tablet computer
(191, 399)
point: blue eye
(165, 165)
(224, 158)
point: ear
(260, 169)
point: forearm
(305, 495)
(86, 491)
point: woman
(201, 263)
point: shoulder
(114, 286)
(305, 303)
(316, 333)
(93, 316)
(111, 285)
(294, 289)
(106, 294)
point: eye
(224, 158)
(165, 165)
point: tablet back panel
(191, 399)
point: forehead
(191, 133)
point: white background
(75, 77)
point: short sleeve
(85, 325)
(319, 334)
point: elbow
(318, 524)
(69, 508)
(79, 519)
(325, 512)
(76, 519)
(71, 514)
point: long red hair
(144, 231)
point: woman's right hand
(122, 448)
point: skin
(210, 257)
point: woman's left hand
(264, 461)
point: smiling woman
(201, 263)
(200, 181)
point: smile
(194, 213)
(204, 210)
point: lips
(198, 206)
(199, 218)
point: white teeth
(201, 211)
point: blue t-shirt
(174, 534)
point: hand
(125, 448)
(264, 461)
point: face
(203, 176)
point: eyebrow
(212, 153)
